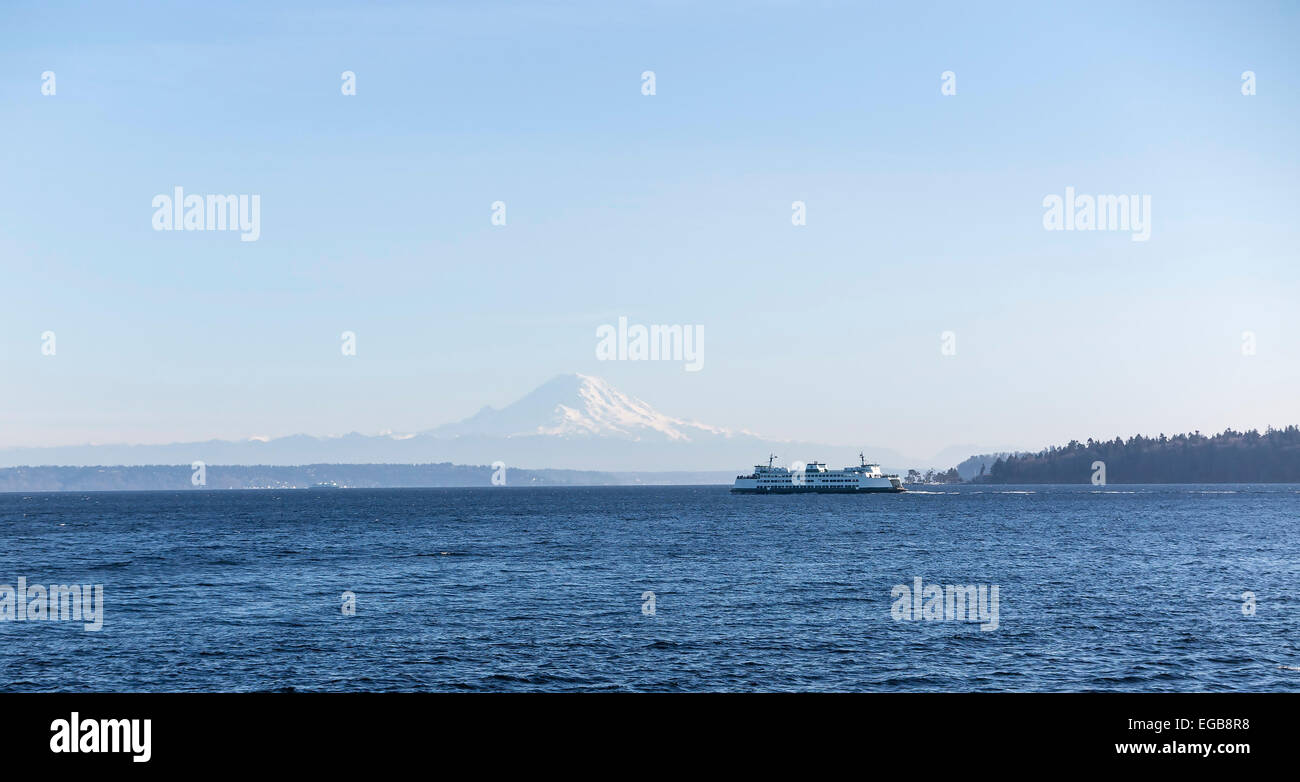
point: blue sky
(924, 216)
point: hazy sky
(924, 215)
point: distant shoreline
(968, 487)
(328, 477)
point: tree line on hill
(933, 476)
(1227, 457)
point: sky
(924, 215)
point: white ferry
(814, 477)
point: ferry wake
(814, 477)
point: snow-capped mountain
(580, 406)
(573, 422)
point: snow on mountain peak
(579, 406)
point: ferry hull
(819, 490)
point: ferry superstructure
(816, 478)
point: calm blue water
(1110, 588)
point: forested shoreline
(1227, 457)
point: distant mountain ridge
(159, 477)
(575, 422)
